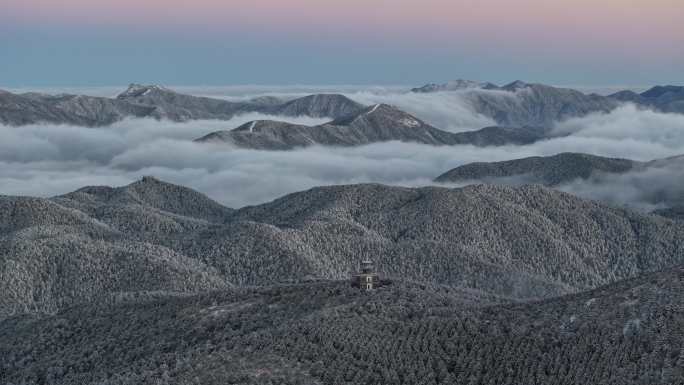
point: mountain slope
(631, 332)
(454, 85)
(101, 241)
(90, 110)
(380, 123)
(676, 212)
(527, 104)
(152, 101)
(46, 269)
(515, 243)
(519, 242)
(151, 193)
(53, 256)
(502, 136)
(662, 98)
(320, 106)
(549, 171)
(18, 110)
(521, 104)
(179, 107)
(174, 106)
(653, 184)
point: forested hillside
(549, 170)
(328, 333)
(515, 242)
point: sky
(407, 42)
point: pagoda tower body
(367, 279)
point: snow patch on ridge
(409, 122)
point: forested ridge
(154, 101)
(154, 283)
(549, 170)
(631, 332)
(517, 242)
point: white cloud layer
(46, 160)
(648, 189)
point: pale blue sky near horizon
(47, 58)
(246, 91)
(112, 43)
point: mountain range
(546, 170)
(506, 281)
(455, 85)
(566, 168)
(156, 283)
(526, 113)
(661, 98)
(33, 108)
(516, 243)
(160, 103)
(379, 123)
(517, 104)
(529, 104)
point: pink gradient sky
(560, 29)
(595, 20)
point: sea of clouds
(47, 160)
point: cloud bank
(645, 189)
(47, 160)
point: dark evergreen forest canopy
(154, 283)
